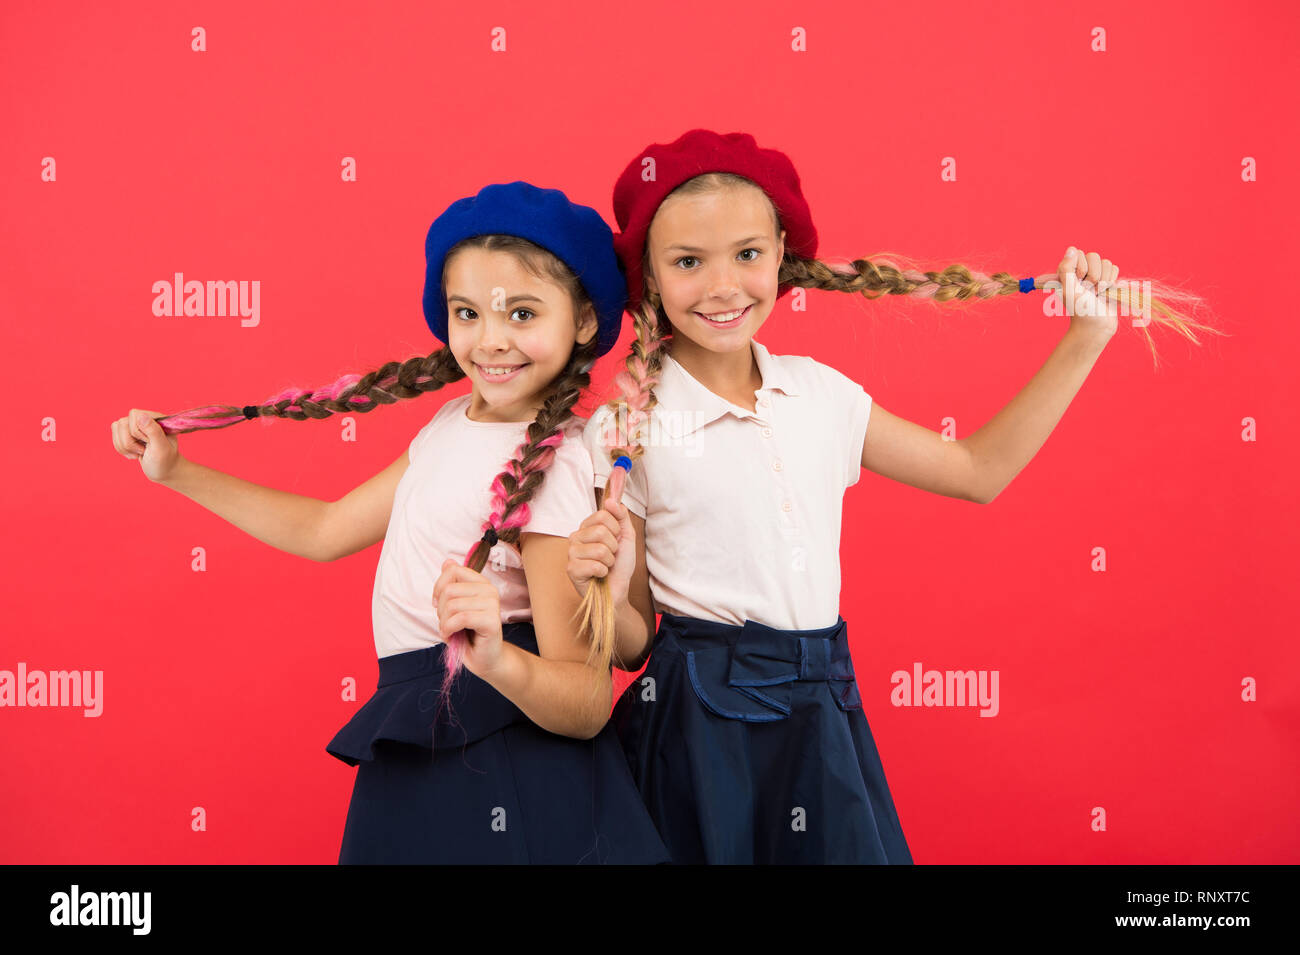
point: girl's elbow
(981, 493)
(597, 717)
(595, 725)
(601, 706)
(987, 495)
(634, 664)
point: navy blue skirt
(476, 781)
(749, 746)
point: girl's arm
(555, 688)
(978, 467)
(1002, 448)
(303, 526)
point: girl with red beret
(722, 470)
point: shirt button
(776, 465)
(785, 506)
(766, 432)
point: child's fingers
(465, 613)
(1094, 267)
(598, 535)
(1081, 269)
(146, 426)
(137, 431)
(602, 518)
(624, 524)
(126, 445)
(447, 581)
(117, 437)
(459, 572)
(468, 604)
(443, 577)
(593, 552)
(1075, 261)
(591, 568)
(458, 588)
(455, 622)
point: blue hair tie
(1027, 285)
(624, 462)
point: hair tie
(1027, 285)
(624, 462)
(250, 411)
(490, 537)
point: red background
(1119, 689)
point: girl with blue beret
(487, 738)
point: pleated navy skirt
(749, 746)
(473, 780)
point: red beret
(700, 151)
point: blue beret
(575, 234)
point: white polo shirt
(742, 508)
(439, 508)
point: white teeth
(722, 316)
(499, 371)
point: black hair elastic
(490, 537)
(250, 411)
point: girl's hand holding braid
(604, 545)
(466, 600)
(1085, 283)
(140, 436)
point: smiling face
(714, 258)
(510, 331)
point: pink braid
(220, 416)
(456, 642)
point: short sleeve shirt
(439, 508)
(743, 509)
